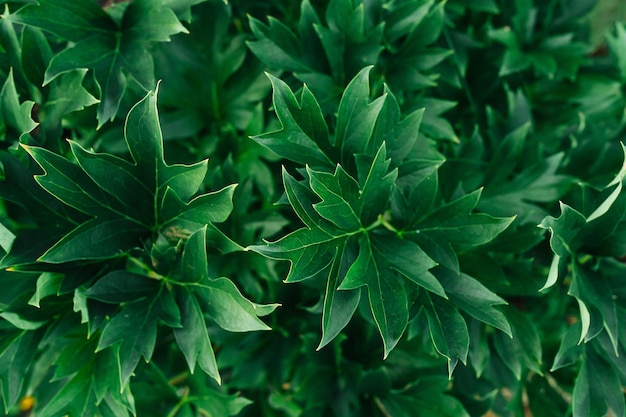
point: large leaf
(345, 245)
(128, 200)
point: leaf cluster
(337, 208)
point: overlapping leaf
(15, 117)
(396, 36)
(343, 222)
(362, 126)
(127, 200)
(113, 50)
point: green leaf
(67, 94)
(337, 191)
(47, 284)
(15, 115)
(523, 349)
(454, 225)
(128, 200)
(594, 293)
(455, 222)
(182, 8)
(471, 296)
(428, 395)
(96, 239)
(387, 296)
(356, 116)
(339, 306)
(122, 286)
(16, 360)
(598, 389)
(301, 198)
(400, 134)
(376, 184)
(276, 45)
(20, 322)
(193, 337)
(303, 136)
(135, 329)
(212, 207)
(614, 43)
(448, 330)
(113, 52)
(36, 54)
(223, 302)
(409, 260)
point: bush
(443, 178)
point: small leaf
(135, 329)
(387, 296)
(564, 230)
(47, 284)
(597, 390)
(474, 298)
(303, 136)
(15, 115)
(356, 116)
(223, 302)
(337, 191)
(455, 223)
(112, 52)
(121, 286)
(193, 337)
(448, 330)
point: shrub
(443, 178)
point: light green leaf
(48, 284)
(564, 230)
(223, 302)
(20, 322)
(594, 294)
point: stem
(382, 407)
(383, 219)
(180, 403)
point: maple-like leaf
(127, 201)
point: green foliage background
(325, 208)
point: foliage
(411, 207)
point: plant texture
(344, 208)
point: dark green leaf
(193, 337)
